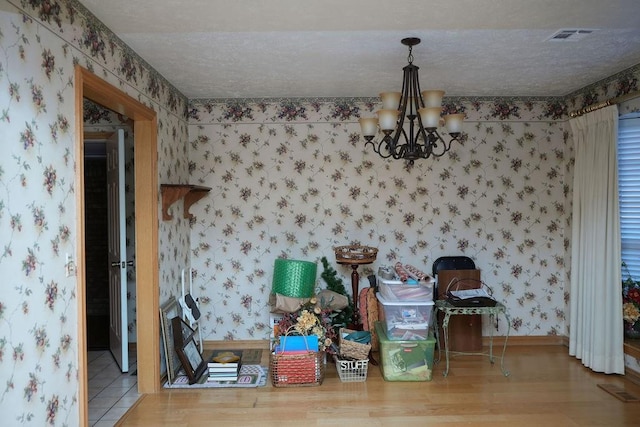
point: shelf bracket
(171, 193)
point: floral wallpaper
(292, 179)
(288, 177)
(40, 43)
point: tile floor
(111, 392)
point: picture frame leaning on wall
(168, 311)
(185, 344)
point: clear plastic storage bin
(406, 320)
(396, 290)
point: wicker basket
(351, 349)
(355, 254)
(296, 370)
(351, 371)
(294, 278)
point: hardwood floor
(546, 387)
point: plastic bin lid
(385, 301)
(391, 281)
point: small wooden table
(356, 323)
(451, 310)
(355, 255)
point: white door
(118, 335)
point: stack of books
(224, 366)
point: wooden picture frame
(185, 344)
(168, 311)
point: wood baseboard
(632, 350)
(497, 341)
(631, 375)
(526, 340)
(236, 344)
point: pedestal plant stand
(355, 255)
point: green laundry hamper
(294, 278)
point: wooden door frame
(145, 133)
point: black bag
(470, 302)
(475, 298)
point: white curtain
(596, 332)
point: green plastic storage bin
(405, 360)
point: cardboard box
(465, 332)
(405, 360)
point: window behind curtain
(629, 189)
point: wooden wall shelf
(171, 193)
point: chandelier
(423, 139)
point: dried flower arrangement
(310, 319)
(631, 305)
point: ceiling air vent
(570, 34)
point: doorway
(100, 302)
(96, 242)
(146, 191)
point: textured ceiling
(351, 48)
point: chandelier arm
(437, 138)
(414, 88)
(402, 107)
(386, 152)
(403, 147)
(415, 101)
(373, 144)
(420, 124)
(399, 131)
(392, 145)
(424, 133)
(401, 152)
(426, 148)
